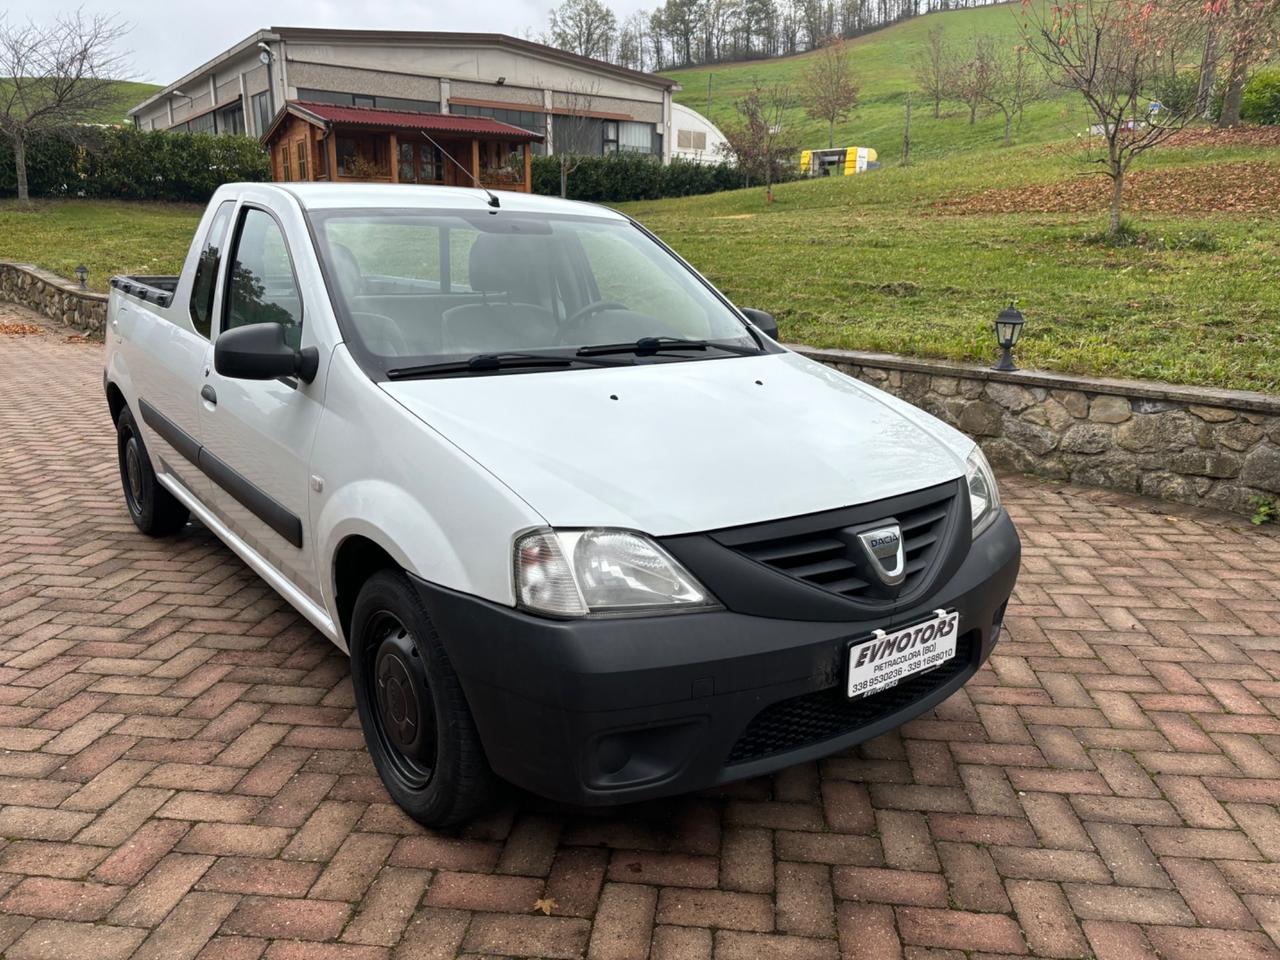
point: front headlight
(984, 498)
(575, 573)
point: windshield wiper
(650, 345)
(489, 362)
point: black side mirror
(762, 321)
(257, 351)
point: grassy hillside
(127, 93)
(882, 61)
(919, 260)
(130, 94)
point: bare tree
(585, 27)
(1016, 81)
(829, 88)
(575, 133)
(57, 77)
(1113, 53)
(1248, 29)
(931, 67)
(762, 136)
(973, 76)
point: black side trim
(174, 435)
(246, 493)
(250, 496)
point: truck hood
(670, 448)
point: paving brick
(715, 908)
(623, 926)
(289, 918)
(958, 930)
(183, 773)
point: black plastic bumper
(599, 711)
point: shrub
(619, 177)
(1260, 102)
(129, 164)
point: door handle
(209, 395)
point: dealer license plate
(887, 658)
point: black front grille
(826, 714)
(823, 550)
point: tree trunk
(1235, 87)
(1208, 73)
(20, 168)
(831, 133)
(564, 180)
(937, 107)
(1008, 128)
(906, 135)
(1117, 196)
(973, 112)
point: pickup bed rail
(157, 290)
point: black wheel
(155, 511)
(415, 716)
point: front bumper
(599, 711)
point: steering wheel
(570, 324)
(374, 327)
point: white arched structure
(694, 137)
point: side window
(261, 287)
(207, 269)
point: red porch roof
(442, 123)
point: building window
(286, 174)
(231, 120)
(302, 160)
(201, 124)
(611, 136)
(364, 100)
(691, 140)
(363, 157)
(261, 112)
(530, 120)
(635, 137)
(583, 136)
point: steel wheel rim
(133, 473)
(400, 700)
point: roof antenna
(493, 197)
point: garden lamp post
(1008, 331)
(83, 273)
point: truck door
(170, 359)
(257, 434)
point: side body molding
(248, 494)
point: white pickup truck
(581, 523)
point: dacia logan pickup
(580, 522)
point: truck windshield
(427, 287)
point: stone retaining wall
(1213, 448)
(52, 296)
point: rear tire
(154, 510)
(416, 721)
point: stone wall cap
(62, 283)
(1148, 389)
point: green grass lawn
(870, 263)
(882, 62)
(105, 236)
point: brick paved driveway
(183, 774)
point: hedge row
(128, 164)
(616, 178)
(1260, 102)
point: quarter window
(261, 287)
(207, 269)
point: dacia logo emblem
(883, 549)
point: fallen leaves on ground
(19, 329)
(1246, 187)
(545, 904)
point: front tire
(154, 510)
(416, 721)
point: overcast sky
(171, 37)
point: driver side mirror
(257, 351)
(762, 321)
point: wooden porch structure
(324, 141)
